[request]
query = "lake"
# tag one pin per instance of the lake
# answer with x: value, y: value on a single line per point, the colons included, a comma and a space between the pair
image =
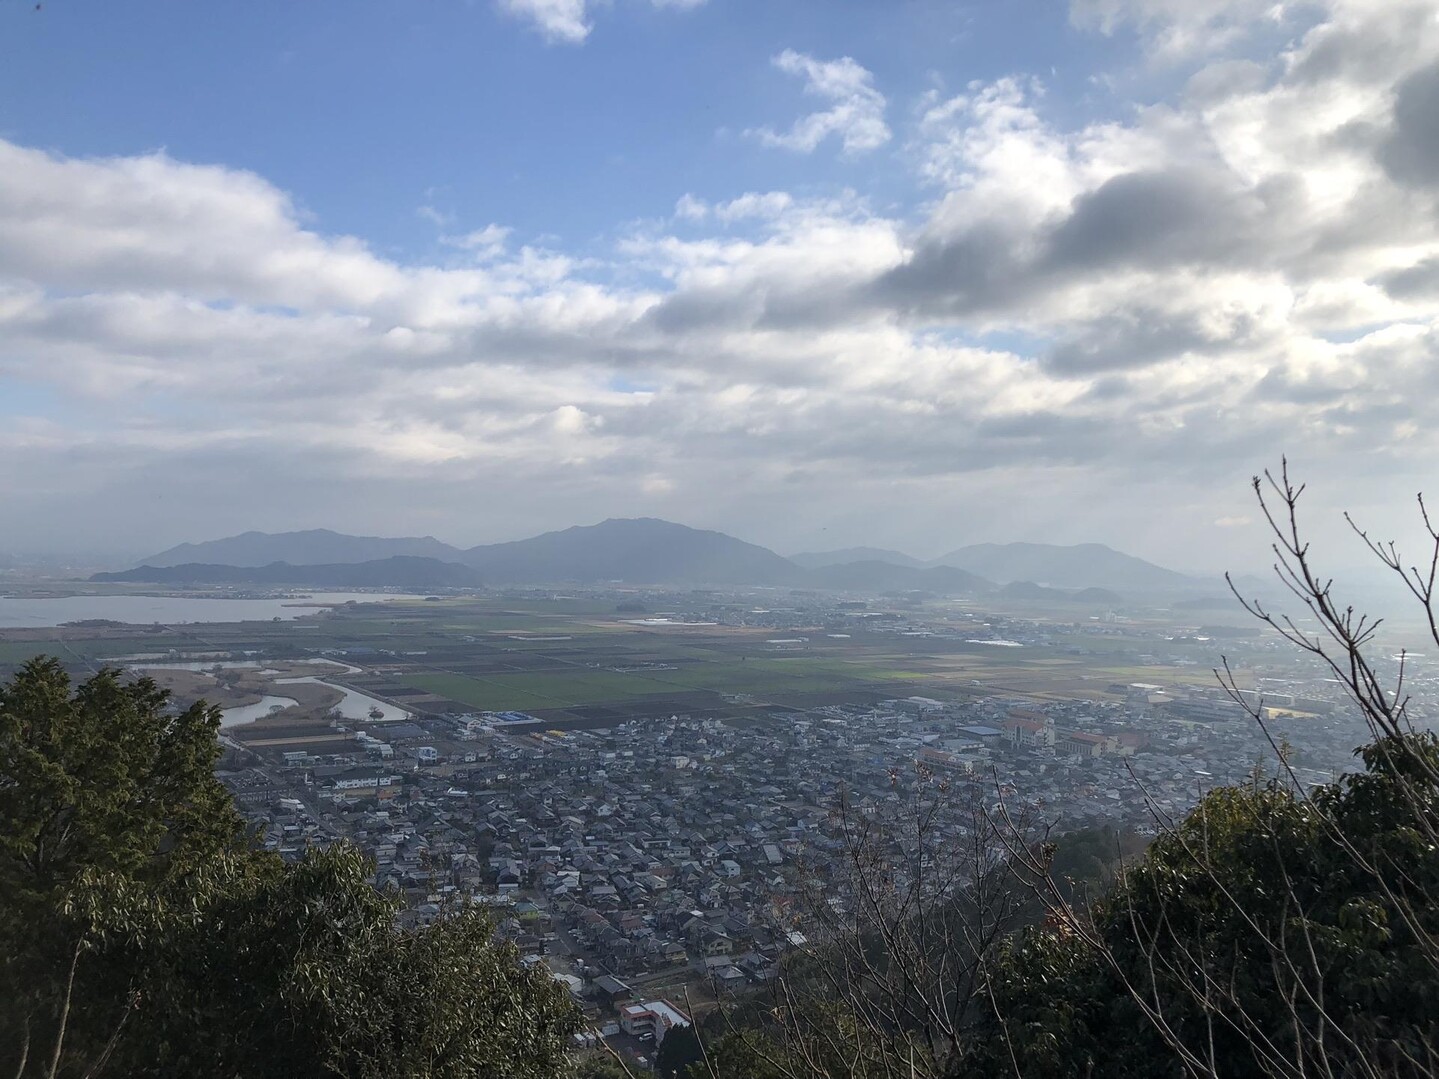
x: 24, y: 612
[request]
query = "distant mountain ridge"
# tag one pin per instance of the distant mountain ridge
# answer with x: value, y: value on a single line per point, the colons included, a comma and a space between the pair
x: 1084, y: 565
x: 821, y: 559
x: 875, y: 576
x: 641, y: 550
x: 317, y: 546
x: 647, y: 550
x: 1028, y: 590
x: 400, y: 571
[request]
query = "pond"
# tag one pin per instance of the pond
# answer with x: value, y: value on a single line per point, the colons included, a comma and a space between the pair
x: 248, y: 713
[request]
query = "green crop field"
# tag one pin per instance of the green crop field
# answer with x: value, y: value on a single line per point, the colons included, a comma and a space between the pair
x: 565, y: 688
x: 20, y: 651
x: 562, y: 690
x: 476, y: 693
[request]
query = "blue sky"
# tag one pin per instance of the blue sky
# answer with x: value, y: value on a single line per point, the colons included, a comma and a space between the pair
x: 817, y: 273
x: 367, y: 111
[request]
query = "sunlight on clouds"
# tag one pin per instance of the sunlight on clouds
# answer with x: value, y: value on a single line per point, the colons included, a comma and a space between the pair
x: 563, y: 21
x: 855, y: 115
x: 1175, y: 29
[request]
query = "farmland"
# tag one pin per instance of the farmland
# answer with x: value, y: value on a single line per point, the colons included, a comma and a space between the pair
x: 580, y: 659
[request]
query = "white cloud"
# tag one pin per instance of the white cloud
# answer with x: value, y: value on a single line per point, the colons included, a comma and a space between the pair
x: 565, y: 21
x: 1176, y: 29
x: 691, y: 208
x: 855, y: 115
x: 569, y: 22
x: 767, y: 205
x: 486, y: 243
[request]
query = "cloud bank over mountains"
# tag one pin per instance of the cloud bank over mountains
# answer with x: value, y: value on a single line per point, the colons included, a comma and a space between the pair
x: 1130, y: 313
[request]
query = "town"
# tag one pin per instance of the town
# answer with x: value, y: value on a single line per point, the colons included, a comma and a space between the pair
x: 645, y: 858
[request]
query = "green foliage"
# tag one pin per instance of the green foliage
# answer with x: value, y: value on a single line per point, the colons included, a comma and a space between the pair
x: 1088, y: 860
x: 141, y: 934
x: 106, y: 779
x: 302, y: 971
x: 678, y: 1051
x: 100, y: 781
x: 746, y: 1053
x: 600, y: 1065
x: 1267, y: 932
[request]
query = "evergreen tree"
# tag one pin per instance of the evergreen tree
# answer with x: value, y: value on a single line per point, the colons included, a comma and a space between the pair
x: 678, y: 1051
x: 142, y: 934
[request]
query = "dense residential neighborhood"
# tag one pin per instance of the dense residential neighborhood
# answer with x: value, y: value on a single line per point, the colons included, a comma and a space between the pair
x: 661, y: 859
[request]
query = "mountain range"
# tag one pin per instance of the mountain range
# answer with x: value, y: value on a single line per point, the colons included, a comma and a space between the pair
x: 821, y: 559
x: 876, y: 576
x: 650, y: 551
x: 1084, y: 565
x: 317, y: 546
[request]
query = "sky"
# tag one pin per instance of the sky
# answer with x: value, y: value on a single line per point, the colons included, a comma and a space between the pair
x: 816, y: 273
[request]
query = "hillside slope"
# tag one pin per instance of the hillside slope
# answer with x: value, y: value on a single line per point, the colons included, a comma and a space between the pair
x: 640, y: 550
x: 1085, y: 565
x: 883, y: 577
x: 821, y: 559
x: 315, y: 547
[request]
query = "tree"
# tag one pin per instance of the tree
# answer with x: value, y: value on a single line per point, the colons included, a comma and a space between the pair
x: 106, y: 778
x: 301, y: 970
x: 142, y: 934
x: 102, y: 782
x: 1276, y: 931
x: 678, y: 1051
x: 601, y: 1065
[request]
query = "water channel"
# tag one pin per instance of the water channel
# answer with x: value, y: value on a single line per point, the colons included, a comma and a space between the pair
x: 354, y: 705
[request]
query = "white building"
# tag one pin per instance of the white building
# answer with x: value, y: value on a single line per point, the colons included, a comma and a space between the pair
x: 655, y: 1017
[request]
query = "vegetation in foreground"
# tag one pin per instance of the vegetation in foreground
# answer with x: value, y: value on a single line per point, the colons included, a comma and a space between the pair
x: 142, y: 934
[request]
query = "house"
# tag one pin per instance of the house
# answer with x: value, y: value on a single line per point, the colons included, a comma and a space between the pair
x: 713, y: 942
x: 655, y: 1018
x: 613, y: 991
x: 729, y: 977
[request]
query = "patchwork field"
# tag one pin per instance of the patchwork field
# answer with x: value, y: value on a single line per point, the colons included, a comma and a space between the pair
x: 579, y: 659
